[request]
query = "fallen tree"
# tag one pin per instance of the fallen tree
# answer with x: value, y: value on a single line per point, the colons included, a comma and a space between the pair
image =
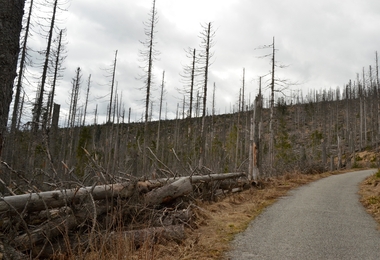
x: 59, y: 198
x: 49, y: 218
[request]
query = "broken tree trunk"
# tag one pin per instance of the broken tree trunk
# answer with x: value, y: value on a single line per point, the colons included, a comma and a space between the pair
x: 169, y: 192
x: 59, y: 198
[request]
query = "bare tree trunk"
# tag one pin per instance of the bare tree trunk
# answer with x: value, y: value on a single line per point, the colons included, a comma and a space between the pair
x: 56, y: 68
x: 271, y: 130
x: 86, y: 102
x: 112, y: 86
x: 192, y: 84
x: 38, y: 106
x: 237, y: 134
x: 207, y: 44
x: 150, y: 56
x: 254, y: 149
x: 11, y: 13
x: 159, y: 114
x: 243, y: 93
x: 21, y: 72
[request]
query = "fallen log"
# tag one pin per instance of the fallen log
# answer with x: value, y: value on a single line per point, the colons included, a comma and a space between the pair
x: 148, y: 185
x: 59, y: 198
x: 169, y: 192
x: 216, y: 177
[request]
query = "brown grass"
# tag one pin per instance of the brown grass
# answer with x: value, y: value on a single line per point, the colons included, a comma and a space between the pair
x: 370, y: 195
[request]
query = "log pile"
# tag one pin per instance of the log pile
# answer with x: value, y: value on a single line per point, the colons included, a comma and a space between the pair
x: 51, y: 222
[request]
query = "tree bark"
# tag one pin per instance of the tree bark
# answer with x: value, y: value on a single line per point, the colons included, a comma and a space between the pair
x: 11, y: 13
x: 169, y: 192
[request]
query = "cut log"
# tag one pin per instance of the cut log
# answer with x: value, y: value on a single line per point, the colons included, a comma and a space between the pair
x: 59, y: 198
x: 150, y: 235
x: 169, y: 192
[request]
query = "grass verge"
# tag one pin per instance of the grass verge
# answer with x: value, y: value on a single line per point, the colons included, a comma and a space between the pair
x: 370, y: 195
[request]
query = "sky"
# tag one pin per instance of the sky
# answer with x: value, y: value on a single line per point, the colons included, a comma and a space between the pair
x: 323, y: 45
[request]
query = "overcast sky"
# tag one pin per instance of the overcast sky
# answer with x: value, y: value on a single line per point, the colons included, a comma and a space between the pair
x: 324, y: 43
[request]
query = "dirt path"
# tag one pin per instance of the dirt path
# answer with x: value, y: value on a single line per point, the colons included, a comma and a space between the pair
x: 322, y: 220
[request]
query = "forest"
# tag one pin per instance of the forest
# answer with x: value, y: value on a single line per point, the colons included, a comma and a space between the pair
x: 129, y: 175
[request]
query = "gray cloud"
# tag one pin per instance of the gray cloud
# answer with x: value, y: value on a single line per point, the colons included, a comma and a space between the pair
x: 325, y: 43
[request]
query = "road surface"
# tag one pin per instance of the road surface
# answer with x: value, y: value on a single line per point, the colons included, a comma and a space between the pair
x: 321, y: 220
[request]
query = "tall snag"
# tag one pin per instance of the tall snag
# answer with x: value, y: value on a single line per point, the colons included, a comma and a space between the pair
x: 254, y: 148
x: 11, y: 13
x: 148, y: 55
x: 39, y: 102
x: 207, y: 37
x: 16, y: 103
x: 112, y: 87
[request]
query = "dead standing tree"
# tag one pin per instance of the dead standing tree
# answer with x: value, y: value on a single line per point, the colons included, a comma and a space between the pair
x: 275, y: 85
x: 207, y: 36
x: 148, y: 55
x: 112, y: 88
x: 37, y: 111
x: 254, y: 148
x: 22, y: 65
x: 11, y: 13
x: 188, y: 78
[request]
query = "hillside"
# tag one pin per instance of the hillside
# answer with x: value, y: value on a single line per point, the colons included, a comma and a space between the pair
x: 316, y: 135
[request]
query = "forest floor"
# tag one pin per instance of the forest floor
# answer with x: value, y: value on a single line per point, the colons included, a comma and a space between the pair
x: 218, y: 222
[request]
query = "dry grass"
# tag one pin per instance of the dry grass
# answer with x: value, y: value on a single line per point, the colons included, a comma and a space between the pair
x: 370, y: 195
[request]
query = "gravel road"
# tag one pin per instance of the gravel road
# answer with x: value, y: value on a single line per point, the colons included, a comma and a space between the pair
x: 322, y: 220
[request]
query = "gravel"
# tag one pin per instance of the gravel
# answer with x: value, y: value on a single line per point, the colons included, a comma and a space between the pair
x: 322, y: 220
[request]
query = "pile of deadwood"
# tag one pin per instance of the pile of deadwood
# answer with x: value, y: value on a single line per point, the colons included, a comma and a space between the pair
x: 43, y: 224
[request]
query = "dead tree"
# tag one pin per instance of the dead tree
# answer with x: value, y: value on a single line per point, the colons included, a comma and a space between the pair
x: 86, y: 102
x: 160, y: 110
x: 188, y: 78
x: 254, y: 148
x: 112, y: 87
x: 207, y: 37
x: 59, y: 58
x: 39, y: 102
x: 22, y: 65
x: 149, y: 55
x: 11, y: 13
